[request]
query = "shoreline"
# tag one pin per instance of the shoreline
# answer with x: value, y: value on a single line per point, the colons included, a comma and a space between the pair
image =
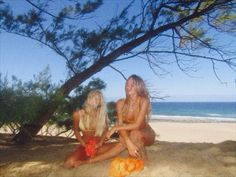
x: 192, y: 119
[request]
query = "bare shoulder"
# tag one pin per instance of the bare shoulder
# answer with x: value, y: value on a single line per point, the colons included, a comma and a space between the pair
x: 78, y: 113
x: 120, y: 102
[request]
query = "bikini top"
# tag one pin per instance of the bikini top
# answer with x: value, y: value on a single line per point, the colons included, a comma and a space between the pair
x: 132, y: 119
x: 125, y: 111
x: 84, y: 123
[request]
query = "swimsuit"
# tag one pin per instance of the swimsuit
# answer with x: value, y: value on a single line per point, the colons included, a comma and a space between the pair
x: 84, y: 123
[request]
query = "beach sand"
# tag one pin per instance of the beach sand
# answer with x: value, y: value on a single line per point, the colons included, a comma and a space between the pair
x: 195, y: 132
x: 183, y: 149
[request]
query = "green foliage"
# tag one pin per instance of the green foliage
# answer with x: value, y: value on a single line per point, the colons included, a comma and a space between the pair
x: 224, y: 22
x: 89, y: 6
x: 111, y: 110
x: 22, y: 102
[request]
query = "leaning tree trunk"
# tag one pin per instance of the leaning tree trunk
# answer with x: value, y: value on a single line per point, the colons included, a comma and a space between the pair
x: 27, y: 131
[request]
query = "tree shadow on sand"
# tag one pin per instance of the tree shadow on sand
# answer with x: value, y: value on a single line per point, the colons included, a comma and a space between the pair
x: 44, y: 157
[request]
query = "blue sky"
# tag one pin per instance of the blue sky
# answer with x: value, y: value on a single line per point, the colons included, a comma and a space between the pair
x: 24, y: 58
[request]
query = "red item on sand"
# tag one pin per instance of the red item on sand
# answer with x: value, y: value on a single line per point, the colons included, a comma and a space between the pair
x: 90, y: 148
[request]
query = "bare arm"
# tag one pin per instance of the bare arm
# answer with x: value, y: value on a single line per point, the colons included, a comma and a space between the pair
x: 119, y: 107
x: 76, y: 117
x: 123, y: 133
x: 103, y: 138
x: 140, y: 119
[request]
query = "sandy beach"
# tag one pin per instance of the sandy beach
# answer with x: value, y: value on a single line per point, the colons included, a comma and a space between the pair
x: 187, y: 149
x: 194, y: 132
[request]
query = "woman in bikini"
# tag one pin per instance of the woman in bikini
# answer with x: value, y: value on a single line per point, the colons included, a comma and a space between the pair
x: 133, y: 128
x: 91, y: 122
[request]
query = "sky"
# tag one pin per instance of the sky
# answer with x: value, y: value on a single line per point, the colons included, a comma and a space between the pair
x: 24, y: 58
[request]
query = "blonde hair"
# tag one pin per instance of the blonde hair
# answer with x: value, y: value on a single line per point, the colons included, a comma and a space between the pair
x: 142, y: 90
x: 102, y: 117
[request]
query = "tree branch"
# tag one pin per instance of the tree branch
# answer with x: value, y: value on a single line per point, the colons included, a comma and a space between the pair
x: 40, y: 9
x: 204, y: 43
x: 118, y: 71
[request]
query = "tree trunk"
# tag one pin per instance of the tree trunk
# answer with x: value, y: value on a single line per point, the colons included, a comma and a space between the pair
x: 27, y: 131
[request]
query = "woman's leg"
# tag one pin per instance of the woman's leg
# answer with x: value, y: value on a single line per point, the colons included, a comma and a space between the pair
x: 136, y: 137
x: 78, y: 155
x: 141, y: 138
x: 110, y: 150
x: 148, y: 135
x: 105, y: 152
x: 106, y: 147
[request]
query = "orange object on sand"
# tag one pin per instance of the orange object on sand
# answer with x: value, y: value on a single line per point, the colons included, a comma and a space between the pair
x: 121, y: 167
x: 90, y: 148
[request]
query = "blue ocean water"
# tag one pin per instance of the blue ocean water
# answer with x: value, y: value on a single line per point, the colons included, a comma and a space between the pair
x: 195, y: 110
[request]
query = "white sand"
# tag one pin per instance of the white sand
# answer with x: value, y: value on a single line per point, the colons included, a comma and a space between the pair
x: 194, y: 132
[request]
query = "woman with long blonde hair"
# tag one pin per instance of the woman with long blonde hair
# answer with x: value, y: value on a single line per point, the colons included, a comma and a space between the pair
x: 91, y: 122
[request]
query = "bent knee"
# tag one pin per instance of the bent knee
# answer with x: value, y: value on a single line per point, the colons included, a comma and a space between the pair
x: 121, y: 146
x: 69, y: 162
x: 135, y: 135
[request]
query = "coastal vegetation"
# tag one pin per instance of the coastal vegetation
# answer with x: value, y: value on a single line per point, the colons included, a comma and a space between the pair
x: 21, y: 102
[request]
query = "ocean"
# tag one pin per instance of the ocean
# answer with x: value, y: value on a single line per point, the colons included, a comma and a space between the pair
x: 200, y: 111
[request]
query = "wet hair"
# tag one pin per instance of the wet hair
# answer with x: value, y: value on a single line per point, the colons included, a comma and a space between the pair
x: 102, y: 119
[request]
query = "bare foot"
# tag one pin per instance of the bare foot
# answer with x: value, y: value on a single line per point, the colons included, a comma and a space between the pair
x: 69, y: 163
x: 78, y: 163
